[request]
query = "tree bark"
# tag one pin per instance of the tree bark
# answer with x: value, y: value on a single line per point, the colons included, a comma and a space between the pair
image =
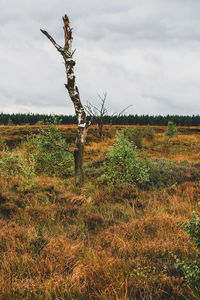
x: 100, y: 128
x: 78, y: 162
x: 73, y: 91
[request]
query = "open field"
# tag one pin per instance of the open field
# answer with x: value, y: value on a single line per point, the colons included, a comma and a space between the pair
x: 58, y: 241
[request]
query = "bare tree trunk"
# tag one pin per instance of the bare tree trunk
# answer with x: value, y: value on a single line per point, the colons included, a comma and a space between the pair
x: 78, y: 162
x: 100, y: 128
x: 73, y: 91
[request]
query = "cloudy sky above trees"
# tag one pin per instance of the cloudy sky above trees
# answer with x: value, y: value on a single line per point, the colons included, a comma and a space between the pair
x: 141, y: 52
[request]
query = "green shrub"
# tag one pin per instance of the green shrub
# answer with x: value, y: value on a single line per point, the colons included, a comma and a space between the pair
x: 19, y: 167
x: 134, y: 135
x: 9, y: 164
x: 27, y: 173
x: 124, y: 165
x: 171, y: 129
x: 149, y: 133
x: 192, y: 269
x: 50, y: 151
x: 51, y: 159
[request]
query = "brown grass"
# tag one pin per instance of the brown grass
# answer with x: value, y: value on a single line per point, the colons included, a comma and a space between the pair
x: 61, y: 242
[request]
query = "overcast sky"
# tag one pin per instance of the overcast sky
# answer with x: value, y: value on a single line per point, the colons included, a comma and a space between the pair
x: 141, y: 52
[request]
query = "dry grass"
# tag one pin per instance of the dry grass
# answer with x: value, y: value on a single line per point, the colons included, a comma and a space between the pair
x: 62, y: 242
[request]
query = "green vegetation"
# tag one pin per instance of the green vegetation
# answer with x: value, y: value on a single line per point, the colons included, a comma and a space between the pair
x: 51, y: 152
x: 149, y: 134
x: 165, y: 173
x: 171, y: 129
x: 191, y: 269
x: 135, y: 136
x: 124, y: 165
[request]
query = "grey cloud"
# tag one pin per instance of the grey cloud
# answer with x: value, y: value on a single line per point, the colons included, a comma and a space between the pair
x: 142, y: 52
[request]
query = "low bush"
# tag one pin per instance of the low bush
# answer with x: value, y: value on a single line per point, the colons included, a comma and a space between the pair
x: 171, y: 129
x: 191, y: 269
x: 164, y: 173
x: 9, y: 164
x: 124, y: 165
x: 50, y: 152
x: 19, y: 167
x: 52, y: 159
x: 149, y: 134
x: 134, y: 135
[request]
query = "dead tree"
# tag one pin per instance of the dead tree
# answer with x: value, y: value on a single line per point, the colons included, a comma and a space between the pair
x: 67, y: 54
x: 97, y: 113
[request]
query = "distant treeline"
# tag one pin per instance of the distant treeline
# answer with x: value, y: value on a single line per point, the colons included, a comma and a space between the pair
x: 19, y: 119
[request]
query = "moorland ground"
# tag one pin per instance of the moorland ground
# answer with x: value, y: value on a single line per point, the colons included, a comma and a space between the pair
x: 58, y: 241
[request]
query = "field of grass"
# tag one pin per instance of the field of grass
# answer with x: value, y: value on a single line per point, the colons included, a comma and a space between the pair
x: 58, y: 241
